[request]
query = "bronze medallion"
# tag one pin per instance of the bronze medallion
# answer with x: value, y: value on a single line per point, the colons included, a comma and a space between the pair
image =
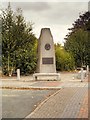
x: 47, y: 46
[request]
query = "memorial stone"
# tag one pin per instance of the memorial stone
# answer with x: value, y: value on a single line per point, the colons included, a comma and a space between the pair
x: 46, y: 64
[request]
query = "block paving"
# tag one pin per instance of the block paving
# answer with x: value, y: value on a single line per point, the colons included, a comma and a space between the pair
x: 84, y: 108
x: 66, y: 104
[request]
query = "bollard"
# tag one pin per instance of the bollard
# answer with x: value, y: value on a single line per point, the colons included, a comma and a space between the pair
x: 18, y: 74
x: 87, y: 70
x: 82, y: 75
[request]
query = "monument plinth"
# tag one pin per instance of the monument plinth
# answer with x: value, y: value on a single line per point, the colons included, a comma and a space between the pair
x: 46, y: 64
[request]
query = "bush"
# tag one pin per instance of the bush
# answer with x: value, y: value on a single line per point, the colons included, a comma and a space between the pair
x: 64, y: 60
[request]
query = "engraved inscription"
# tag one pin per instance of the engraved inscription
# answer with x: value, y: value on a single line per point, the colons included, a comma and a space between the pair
x: 47, y: 60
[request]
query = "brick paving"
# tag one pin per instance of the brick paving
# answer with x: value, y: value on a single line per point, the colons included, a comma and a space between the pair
x: 73, y: 107
x: 48, y: 83
x: 84, y: 108
x: 65, y: 104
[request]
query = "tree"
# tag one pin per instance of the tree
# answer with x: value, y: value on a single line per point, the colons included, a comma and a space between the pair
x: 18, y: 43
x: 7, y: 24
x: 0, y: 42
x: 78, y: 41
x: 64, y: 60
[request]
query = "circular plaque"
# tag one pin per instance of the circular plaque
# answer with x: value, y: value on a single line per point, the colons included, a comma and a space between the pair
x: 47, y: 46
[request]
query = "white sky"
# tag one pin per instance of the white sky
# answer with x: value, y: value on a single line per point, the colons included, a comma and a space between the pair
x: 58, y: 16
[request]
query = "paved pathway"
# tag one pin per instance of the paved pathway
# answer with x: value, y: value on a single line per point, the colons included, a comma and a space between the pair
x: 84, y: 108
x: 27, y: 83
x: 66, y: 103
x: 70, y: 102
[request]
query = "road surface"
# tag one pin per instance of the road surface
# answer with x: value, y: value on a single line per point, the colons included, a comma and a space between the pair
x: 20, y: 103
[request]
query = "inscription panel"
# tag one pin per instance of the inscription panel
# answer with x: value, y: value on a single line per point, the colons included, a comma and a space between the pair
x: 47, y: 60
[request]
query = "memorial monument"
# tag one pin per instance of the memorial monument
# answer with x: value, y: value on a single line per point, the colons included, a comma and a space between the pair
x: 46, y: 64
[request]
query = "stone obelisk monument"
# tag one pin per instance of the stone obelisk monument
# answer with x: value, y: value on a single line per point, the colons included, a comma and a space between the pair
x: 46, y: 64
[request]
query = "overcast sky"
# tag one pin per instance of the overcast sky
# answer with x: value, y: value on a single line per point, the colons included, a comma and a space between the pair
x: 58, y: 16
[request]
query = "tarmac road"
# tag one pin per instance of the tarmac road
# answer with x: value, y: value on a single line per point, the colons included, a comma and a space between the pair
x: 20, y: 103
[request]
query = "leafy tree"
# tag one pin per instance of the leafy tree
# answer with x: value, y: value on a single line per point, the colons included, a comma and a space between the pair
x: 64, y: 60
x: 7, y: 24
x: 0, y: 42
x: 18, y: 43
x: 78, y: 40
